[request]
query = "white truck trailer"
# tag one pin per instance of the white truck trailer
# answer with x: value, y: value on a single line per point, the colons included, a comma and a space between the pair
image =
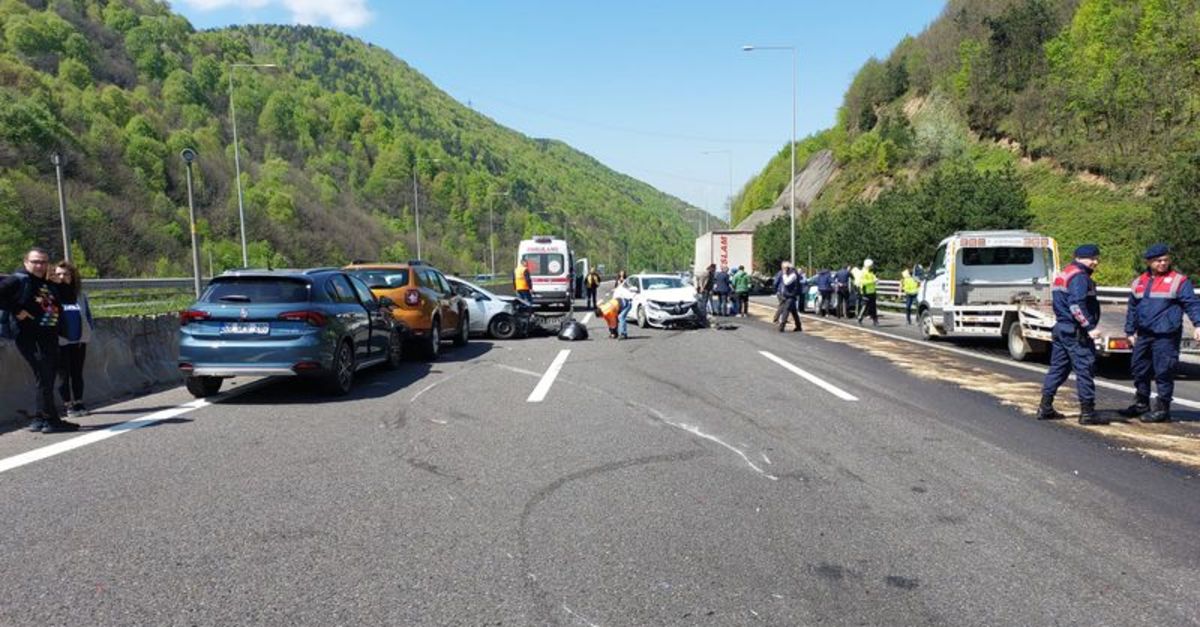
x: 724, y: 248
x: 998, y: 284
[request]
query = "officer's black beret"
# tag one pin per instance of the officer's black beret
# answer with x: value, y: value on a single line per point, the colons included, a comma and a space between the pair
x: 1157, y: 250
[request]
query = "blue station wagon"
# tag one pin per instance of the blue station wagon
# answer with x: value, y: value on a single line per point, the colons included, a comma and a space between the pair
x: 320, y: 323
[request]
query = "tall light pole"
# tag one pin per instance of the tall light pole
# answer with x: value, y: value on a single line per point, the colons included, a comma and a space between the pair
x: 729, y: 154
x: 416, y: 201
x: 189, y: 156
x: 792, y: 181
x: 492, y: 230
x: 237, y: 163
x: 57, y: 160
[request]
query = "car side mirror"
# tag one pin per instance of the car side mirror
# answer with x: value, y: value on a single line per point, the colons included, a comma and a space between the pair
x: 480, y: 297
x: 384, y: 301
x: 939, y: 272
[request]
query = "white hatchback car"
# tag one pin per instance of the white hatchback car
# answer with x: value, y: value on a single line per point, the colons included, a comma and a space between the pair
x: 491, y: 314
x: 663, y: 300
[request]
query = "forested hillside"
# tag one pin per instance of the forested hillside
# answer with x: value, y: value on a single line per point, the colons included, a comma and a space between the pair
x: 330, y: 141
x: 1085, y: 112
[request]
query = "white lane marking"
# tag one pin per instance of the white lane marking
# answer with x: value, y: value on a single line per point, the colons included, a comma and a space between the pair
x: 996, y: 360
x: 543, y: 387
x: 92, y: 437
x: 587, y: 318
x: 811, y: 378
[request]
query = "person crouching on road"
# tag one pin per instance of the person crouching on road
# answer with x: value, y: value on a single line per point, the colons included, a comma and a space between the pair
x: 624, y: 295
x: 787, y: 288
x: 1154, y: 324
x: 867, y: 284
x: 522, y: 281
x: 75, y: 331
x: 33, y: 303
x: 610, y: 311
x: 909, y: 287
x: 1076, y: 313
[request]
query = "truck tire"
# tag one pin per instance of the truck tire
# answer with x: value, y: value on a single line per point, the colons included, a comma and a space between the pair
x: 928, y: 331
x: 1018, y: 347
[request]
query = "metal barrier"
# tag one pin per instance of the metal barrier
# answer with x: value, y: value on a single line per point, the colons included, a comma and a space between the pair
x: 1108, y: 295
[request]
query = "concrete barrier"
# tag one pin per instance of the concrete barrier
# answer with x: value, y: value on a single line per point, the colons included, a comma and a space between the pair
x: 127, y: 356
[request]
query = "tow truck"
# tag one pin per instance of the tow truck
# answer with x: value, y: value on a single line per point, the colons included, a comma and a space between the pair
x: 998, y: 284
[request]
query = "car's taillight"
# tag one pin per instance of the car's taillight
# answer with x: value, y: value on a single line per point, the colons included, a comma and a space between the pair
x: 1118, y: 344
x: 315, y: 318
x: 188, y: 316
x: 412, y: 298
x: 186, y: 367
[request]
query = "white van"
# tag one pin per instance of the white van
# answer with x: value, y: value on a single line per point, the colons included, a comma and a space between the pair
x: 551, y: 269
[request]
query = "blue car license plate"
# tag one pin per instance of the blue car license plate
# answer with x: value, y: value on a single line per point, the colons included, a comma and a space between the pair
x: 245, y: 328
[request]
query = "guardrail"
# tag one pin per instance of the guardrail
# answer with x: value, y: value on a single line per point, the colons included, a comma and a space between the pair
x: 1109, y: 295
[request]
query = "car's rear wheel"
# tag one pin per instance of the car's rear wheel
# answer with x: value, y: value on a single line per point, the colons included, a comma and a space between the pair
x: 502, y: 327
x: 395, y: 351
x: 433, y: 341
x: 341, y: 379
x: 464, y: 330
x: 203, y: 387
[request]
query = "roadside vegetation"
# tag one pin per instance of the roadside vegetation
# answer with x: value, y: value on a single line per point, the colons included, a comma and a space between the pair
x: 1091, y: 107
x: 331, y: 141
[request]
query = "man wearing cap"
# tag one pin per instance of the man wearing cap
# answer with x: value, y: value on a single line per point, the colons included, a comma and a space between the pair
x: 1076, y: 313
x: 1154, y: 323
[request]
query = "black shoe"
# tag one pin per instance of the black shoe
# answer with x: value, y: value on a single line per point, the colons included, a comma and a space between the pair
x: 59, y: 426
x: 1088, y: 415
x: 1140, y: 406
x: 1161, y: 413
x: 37, y: 424
x: 1046, y: 410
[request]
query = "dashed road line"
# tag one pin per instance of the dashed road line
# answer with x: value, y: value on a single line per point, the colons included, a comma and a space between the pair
x: 811, y: 378
x: 543, y: 387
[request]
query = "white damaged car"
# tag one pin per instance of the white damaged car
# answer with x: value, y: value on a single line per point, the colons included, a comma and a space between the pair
x: 663, y: 300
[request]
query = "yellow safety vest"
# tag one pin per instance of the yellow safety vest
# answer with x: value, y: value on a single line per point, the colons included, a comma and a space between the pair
x: 910, y: 285
x: 520, y: 283
x: 866, y: 282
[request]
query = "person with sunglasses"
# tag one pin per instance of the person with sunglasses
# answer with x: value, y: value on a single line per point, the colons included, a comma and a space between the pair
x: 32, y: 304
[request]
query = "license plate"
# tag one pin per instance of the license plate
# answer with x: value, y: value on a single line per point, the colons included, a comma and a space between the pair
x: 245, y: 328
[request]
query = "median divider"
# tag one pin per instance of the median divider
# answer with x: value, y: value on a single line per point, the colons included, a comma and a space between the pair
x: 127, y: 356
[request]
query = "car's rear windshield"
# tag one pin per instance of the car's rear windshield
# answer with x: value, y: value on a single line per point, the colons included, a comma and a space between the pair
x: 1002, y: 256
x: 376, y: 279
x: 256, y: 290
x: 544, y: 264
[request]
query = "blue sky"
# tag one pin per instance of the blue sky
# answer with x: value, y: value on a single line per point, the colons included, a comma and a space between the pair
x: 645, y: 87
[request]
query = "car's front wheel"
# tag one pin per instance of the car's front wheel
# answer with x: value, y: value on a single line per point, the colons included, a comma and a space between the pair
x: 341, y: 378
x: 641, y: 317
x: 203, y: 387
x: 502, y: 327
x: 433, y: 341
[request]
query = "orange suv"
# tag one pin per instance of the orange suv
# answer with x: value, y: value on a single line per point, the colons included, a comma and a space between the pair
x: 425, y: 303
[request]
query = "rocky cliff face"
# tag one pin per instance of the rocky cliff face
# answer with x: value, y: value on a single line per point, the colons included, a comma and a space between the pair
x: 808, y: 183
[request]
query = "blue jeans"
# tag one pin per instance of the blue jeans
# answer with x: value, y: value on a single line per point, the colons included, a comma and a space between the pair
x: 909, y: 299
x: 623, y: 317
x: 722, y: 303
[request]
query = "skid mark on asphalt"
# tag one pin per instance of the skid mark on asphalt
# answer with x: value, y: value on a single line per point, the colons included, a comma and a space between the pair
x: 1177, y: 443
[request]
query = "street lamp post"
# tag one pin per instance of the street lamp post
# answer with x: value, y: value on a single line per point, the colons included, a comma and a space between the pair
x: 416, y: 200
x: 57, y: 160
x: 237, y: 164
x: 189, y: 156
x: 792, y: 182
x: 492, y: 231
x: 729, y: 154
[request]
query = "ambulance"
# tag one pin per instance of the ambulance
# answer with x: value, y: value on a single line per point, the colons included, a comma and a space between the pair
x: 551, y: 269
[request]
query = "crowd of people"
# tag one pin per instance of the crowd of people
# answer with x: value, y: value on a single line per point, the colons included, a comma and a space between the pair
x: 45, y: 312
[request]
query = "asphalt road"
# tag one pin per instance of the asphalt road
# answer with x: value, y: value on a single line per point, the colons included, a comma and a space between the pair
x: 677, y: 478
